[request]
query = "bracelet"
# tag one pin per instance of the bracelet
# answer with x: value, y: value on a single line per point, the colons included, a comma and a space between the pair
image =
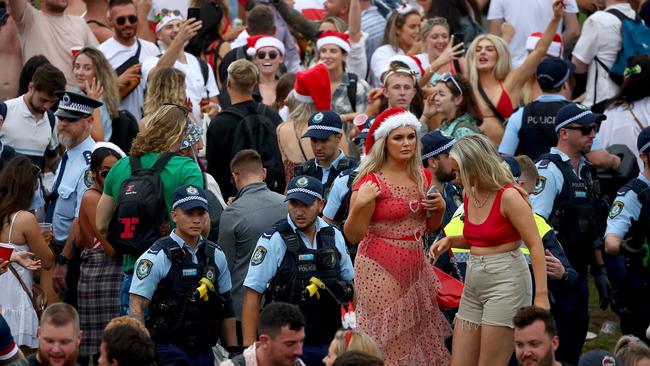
x: 61, y: 259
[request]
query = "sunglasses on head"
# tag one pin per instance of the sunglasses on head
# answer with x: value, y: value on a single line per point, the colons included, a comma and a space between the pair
x: 165, y: 12
x: 445, y: 78
x: 272, y: 54
x: 122, y: 20
x: 584, y: 130
x: 36, y: 170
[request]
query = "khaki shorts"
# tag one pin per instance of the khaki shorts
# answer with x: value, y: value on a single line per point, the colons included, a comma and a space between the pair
x: 496, y: 286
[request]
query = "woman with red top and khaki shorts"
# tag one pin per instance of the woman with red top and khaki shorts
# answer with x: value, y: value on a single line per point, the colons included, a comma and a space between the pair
x: 498, y: 217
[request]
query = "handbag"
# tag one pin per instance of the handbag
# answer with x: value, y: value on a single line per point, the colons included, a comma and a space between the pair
x: 36, y: 296
x: 451, y: 289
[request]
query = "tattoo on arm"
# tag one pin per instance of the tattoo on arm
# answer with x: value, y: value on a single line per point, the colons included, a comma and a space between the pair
x: 137, y: 306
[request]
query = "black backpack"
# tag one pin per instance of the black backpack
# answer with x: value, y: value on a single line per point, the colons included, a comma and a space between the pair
x: 125, y: 128
x: 257, y: 131
x: 140, y: 214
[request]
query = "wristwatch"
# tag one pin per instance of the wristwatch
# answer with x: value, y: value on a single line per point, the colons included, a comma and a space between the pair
x: 61, y: 259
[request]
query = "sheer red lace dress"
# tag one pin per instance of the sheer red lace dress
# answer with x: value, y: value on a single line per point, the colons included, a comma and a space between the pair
x: 395, y: 284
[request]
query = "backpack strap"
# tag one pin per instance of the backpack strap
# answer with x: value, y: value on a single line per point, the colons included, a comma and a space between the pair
x: 352, y: 90
x: 291, y: 239
x: 162, y: 161
x: 51, y: 118
x: 238, y: 360
x: 619, y: 14
x: 135, y: 163
x: 171, y: 249
x: 489, y: 103
x: 3, y: 110
x: 205, y: 71
x: 638, y: 186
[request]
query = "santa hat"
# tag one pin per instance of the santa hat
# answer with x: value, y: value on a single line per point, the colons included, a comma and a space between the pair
x: 555, y: 49
x: 335, y: 38
x: 263, y: 40
x: 166, y: 19
x: 313, y: 86
x: 412, y: 62
x: 387, y: 121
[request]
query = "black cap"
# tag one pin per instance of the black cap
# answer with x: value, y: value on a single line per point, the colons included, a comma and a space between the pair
x: 552, y: 72
x: 74, y: 106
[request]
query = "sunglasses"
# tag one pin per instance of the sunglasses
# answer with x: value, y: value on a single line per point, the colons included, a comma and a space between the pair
x: 122, y: 20
x: 445, y: 78
x: 104, y: 173
x: 165, y: 12
x: 584, y: 130
x: 262, y: 55
x: 36, y: 170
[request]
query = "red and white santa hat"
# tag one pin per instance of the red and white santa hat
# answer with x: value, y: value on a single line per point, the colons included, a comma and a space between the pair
x: 387, y: 121
x: 555, y: 49
x: 313, y: 86
x: 412, y: 62
x: 335, y: 38
x: 263, y: 40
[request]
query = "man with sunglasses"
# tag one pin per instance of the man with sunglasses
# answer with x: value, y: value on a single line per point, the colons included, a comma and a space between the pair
x: 51, y: 33
x: 568, y: 198
x: 627, y: 235
x: 126, y: 52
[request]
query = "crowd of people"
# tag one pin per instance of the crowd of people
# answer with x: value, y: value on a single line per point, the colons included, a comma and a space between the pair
x: 308, y: 182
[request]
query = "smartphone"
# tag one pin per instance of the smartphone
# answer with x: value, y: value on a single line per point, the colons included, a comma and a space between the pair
x: 431, y: 191
x: 194, y: 13
x: 458, y: 38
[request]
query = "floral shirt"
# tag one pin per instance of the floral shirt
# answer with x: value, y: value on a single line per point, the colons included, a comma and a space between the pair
x: 459, y: 127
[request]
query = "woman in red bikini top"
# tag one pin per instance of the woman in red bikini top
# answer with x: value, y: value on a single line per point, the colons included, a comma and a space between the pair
x: 498, y: 217
x: 488, y: 66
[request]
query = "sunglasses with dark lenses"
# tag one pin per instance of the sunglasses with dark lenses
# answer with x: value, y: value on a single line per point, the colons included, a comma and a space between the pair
x: 175, y: 12
x: 104, y: 172
x: 584, y: 130
x: 122, y: 20
x: 262, y: 55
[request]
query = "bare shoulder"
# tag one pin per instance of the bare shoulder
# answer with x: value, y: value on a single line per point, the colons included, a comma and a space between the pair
x: 512, y: 195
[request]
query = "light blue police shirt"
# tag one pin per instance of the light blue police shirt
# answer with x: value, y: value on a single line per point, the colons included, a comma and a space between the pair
x: 625, y: 209
x: 270, y: 250
x: 337, y: 194
x: 326, y: 171
x: 153, y: 266
x: 72, y: 188
x: 550, y: 183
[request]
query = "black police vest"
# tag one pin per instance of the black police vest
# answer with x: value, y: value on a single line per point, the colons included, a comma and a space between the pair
x: 309, y: 168
x: 176, y: 314
x: 639, y: 232
x: 344, y: 209
x: 322, y: 316
x: 537, y: 134
x: 578, y: 213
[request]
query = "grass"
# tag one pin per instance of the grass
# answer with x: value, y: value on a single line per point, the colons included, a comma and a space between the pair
x: 597, y: 318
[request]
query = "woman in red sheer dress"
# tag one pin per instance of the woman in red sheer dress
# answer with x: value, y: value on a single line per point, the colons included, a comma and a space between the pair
x: 395, y: 285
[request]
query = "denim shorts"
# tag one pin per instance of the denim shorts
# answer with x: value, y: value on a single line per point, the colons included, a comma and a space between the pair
x: 496, y: 286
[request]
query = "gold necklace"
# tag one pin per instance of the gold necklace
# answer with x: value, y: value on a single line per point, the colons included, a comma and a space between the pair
x: 479, y: 204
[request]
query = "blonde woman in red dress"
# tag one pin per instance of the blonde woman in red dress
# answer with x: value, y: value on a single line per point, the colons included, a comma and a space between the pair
x: 395, y: 284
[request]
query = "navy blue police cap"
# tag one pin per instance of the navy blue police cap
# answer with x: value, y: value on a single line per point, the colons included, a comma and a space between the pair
x: 643, y: 141
x: 188, y: 197
x: 435, y: 143
x: 74, y: 106
x: 552, y: 72
x: 578, y: 114
x: 322, y: 125
x: 305, y: 189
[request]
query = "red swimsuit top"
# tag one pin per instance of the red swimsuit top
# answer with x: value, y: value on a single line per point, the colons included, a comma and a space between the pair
x: 495, y: 230
x: 504, y: 105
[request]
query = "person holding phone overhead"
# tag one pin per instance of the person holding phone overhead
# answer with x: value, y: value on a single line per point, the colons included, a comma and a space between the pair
x: 395, y: 285
x: 498, y: 216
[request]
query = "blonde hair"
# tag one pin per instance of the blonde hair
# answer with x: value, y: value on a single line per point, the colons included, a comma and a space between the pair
x: 502, y: 67
x: 629, y: 350
x: 527, y: 167
x: 299, y: 113
x: 427, y: 26
x: 243, y: 75
x: 163, y: 132
x: 477, y: 158
x: 359, y: 341
x: 394, y: 22
x: 377, y: 156
x: 107, y: 77
x: 128, y: 321
x: 166, y: 86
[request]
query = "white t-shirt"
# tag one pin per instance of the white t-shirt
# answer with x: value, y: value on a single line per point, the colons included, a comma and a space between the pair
x: 527, y: 16
x: 380, y: 62
x: 117, y: 54
x: 158, y: 5
x: 193, y: 79
x: 621, y: 128
x: 24, y: 133
x: 601, y: 37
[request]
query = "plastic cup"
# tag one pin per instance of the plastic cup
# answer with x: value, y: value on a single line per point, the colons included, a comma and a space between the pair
x: 45, y: 226
x: 360, y: 120
x: 75, y: 51
x: 5, y: 251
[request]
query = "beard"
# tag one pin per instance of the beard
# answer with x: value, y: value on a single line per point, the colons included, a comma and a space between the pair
x: 546, y: 360
x: 31, y: 104
x: 65, y: 139
x: 444, y: 177
x: 55, y: 7
x: 70, y: 359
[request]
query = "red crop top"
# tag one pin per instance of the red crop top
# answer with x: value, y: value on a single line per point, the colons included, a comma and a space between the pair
x: 495, y: 230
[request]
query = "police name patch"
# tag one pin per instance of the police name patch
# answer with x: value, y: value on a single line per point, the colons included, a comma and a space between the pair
x: 617, y: 208
x: 144, y: 268
x: 258, y: 256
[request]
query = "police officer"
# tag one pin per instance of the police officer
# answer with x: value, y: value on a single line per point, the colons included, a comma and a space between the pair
x: 324, y: 131
x: 301, y: 260
x: 73, y: 129
x: 184, y: 283
x: 569, y: 199
x: 627, y: 234
x: 531, y: 130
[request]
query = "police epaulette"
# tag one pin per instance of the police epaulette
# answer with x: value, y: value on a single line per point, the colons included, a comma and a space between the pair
x: 636, y: 185
x: 543, y: 164
x: 154, y: 249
